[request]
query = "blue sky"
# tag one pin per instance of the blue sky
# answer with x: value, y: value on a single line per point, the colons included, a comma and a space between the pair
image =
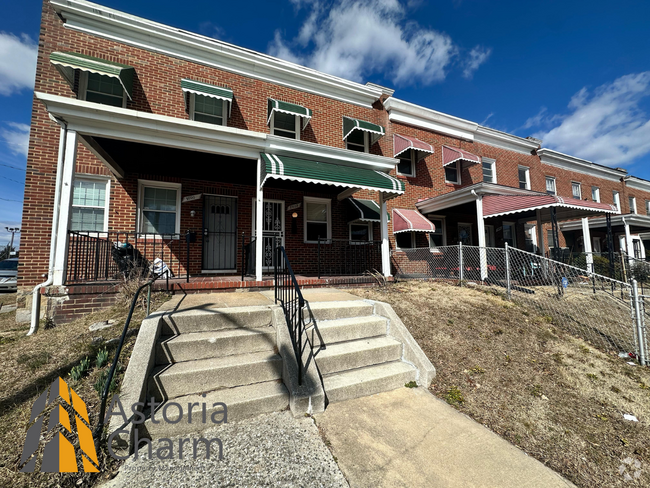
x: 573, y: 73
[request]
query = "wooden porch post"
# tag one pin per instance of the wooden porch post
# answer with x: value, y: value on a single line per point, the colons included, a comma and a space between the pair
x: 69, y: 164
x: 259, y: 216
x: 385, y: 247
x: 540, y: 234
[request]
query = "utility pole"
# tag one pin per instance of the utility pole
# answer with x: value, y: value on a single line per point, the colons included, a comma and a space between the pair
x: 13, y: 230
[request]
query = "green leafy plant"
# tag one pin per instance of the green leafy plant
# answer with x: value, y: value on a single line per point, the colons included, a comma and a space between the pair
x: 80, y: 370
x: 101, y: 382
x: 102, y: 358
x: 411, y: 384
x: 454, y: 396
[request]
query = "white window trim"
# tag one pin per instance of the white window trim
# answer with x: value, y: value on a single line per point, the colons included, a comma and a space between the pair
x: 441, y: 218
x: 546, y: 180
x: 224, y: 109
x: 597, y: 191
x: 365, y: 224
x: 458, y: 168
x: 647, y: 207
x: 366, y: 145
x: 83, y: 87
x: 411, y: 152
x: 493, y: 163
x: 527, y: 170
x: 158, y: 184
x: 297, y: 125
x: 514, y: 232
x: 632, y: 203
x: 326, y: 201
x: 616, y: 197
x: 107, y: 199
x: 412, y: 234
x: 579, y: 197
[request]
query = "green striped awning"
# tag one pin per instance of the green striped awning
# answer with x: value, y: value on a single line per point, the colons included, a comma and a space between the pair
x: 212, y: 91
x: 294, y: 169
x: 350, y: 125
x: 289, y: 108
x: 67, y: 63
x: 366, y: 210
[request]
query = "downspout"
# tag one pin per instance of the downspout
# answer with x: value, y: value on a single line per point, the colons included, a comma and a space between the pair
x: 36, y: 301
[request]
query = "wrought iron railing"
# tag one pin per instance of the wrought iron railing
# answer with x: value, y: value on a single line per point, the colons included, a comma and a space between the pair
x: 288, y: 293
x: 345, y: 257
x: 248, y: 244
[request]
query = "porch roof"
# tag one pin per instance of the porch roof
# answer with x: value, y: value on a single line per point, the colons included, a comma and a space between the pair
x: 303, y: 170
x: 407, y: 220
x: 637, y: 223
x: 501, y: 205
x: 367, y: 210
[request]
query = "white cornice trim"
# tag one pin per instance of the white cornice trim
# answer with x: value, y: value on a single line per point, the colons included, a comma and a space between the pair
x: 638, y: 184
x: 630, y: 219
x: 93, y: 119
x: 112, y: 24
x: 503, y: 140
x: 571, y: 163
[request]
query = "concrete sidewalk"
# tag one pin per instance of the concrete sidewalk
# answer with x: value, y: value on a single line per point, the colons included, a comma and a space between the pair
x: 409, y: 438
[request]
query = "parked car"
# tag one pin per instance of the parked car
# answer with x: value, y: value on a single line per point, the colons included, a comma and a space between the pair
x: 9, y: 274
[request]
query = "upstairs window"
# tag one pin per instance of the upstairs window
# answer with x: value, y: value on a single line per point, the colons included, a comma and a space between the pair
x: 359, y: 135
x: 285, y: 125
x: 206, y: 109
x: 576, y: 190
x: 550, y: 185
x: 452, y: 173
x: 595, y: 194
x: 357, y: 141
x: 406, y: 164
x: 617, y: 200
x: 101, y: 89
x: 524, y: 178
x: 632, y: 201
x: 647, y: 207
x: 489, y: 170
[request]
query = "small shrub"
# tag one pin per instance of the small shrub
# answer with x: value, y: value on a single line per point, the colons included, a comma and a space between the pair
x: 411, y: 384
x: 454, y: 396
x: 80, y: 370
x: 477, y: 370
x: 102, y: 358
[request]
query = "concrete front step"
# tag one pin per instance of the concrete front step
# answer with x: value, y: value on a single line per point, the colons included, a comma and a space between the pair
x: 357, y: 354
x: 241, y: 402
x: 338, y: 310
x: 212, y: 344
x: 349, y: 329
x: 215, y: 319
x: 202, y: 375
x: 366, y: 381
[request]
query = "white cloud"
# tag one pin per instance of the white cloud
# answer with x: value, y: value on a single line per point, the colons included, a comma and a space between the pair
x: 355, y: 39
x: 477, y: 56
x: 489, y: 116
x: 607, y: 126
x: 16, y: 137
x: 17, y: 63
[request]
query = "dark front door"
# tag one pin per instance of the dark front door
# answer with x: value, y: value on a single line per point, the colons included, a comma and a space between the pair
x: 219, y: 233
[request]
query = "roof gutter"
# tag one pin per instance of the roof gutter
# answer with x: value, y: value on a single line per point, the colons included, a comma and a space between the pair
x: 36, y: 298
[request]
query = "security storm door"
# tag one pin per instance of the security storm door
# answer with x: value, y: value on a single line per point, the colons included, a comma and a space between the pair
x: 272, y: 230
x: 219, y: 233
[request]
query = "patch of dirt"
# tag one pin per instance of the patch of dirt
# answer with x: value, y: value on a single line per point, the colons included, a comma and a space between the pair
x: 28, y: 365
x: 552, y: 394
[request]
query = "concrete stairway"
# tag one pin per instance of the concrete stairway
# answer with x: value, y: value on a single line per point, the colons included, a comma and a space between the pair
x: 226, y: 355
x: 359, y: 357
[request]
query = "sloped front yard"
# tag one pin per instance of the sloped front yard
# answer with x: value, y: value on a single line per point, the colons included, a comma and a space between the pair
x: 551, y: 394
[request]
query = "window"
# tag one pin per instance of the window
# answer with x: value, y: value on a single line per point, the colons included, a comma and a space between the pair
x: 617, y: 200
x: 208, y: 109
x: 549, y: 238
x: 405, y: 240
x: 647, y: 207
x: 550, y: 185
x: 465, y: 233
x: 524, y: 178
x: 595, y: 194
x: 357, y: 141
x: 576, y: 190
x: 510, y: 234
x: 101, y: 89
x: 318, y: 219
x: 438, y: 237
x: 489, y: 170
x: 632, y: 202
x: 159, y: 207
x: 452, y: 173
x: 406, y: 164
x: 530, y: 234
x: 361, y: 232
x: 89, y: 202
x: 285, y: 125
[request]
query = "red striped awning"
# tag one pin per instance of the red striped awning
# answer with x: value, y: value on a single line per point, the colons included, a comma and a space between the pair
x: 405, y: 220
x: 404, y: 143
x: 497, y: 205
x: 452, y: 154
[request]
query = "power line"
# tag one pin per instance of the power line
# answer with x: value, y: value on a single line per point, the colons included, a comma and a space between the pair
x: 7, y: 200
x: 15, y: 181
x: 13, y: 167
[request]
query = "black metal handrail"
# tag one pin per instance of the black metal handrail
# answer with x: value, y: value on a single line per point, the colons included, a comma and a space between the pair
x: 248, y: 243
x: 288, y: 293
x: 111, y: 372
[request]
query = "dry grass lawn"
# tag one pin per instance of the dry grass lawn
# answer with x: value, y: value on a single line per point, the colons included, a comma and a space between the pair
x: 28, y: 365
x: 551, y: 394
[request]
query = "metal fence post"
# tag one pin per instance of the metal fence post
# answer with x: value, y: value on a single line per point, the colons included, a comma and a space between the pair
x: 639, y: 322
x: 149, y: 300
x: 508, y: 287
x: 460, y: 264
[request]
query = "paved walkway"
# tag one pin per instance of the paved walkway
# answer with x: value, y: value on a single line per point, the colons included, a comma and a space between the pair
x: 409, y: 438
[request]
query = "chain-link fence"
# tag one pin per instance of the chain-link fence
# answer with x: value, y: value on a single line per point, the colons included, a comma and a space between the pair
x: 608, y: 313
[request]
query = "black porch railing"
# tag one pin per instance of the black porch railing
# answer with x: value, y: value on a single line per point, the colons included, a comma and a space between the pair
x: 344, y: 257
x: 247, y: 255
x: 108, y: 256
x: 288, y: 293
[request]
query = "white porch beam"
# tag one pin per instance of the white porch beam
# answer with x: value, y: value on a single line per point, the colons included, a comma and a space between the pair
x: 259, y: 216
x: 385, y: 247
x: 103, y: 156
x: 346, y: 193
x: 69, y: 165
x: 586, y: 237
x: 540, y: 233
x: 480, y: 227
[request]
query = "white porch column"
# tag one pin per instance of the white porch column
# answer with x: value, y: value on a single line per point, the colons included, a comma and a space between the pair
x: 586, y: 237
x: 259, y: 216
x: 480, y: 227
x: 385, y: 247
x: 540, y: 234
x: 629, y: 246
x: 69, y: 165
